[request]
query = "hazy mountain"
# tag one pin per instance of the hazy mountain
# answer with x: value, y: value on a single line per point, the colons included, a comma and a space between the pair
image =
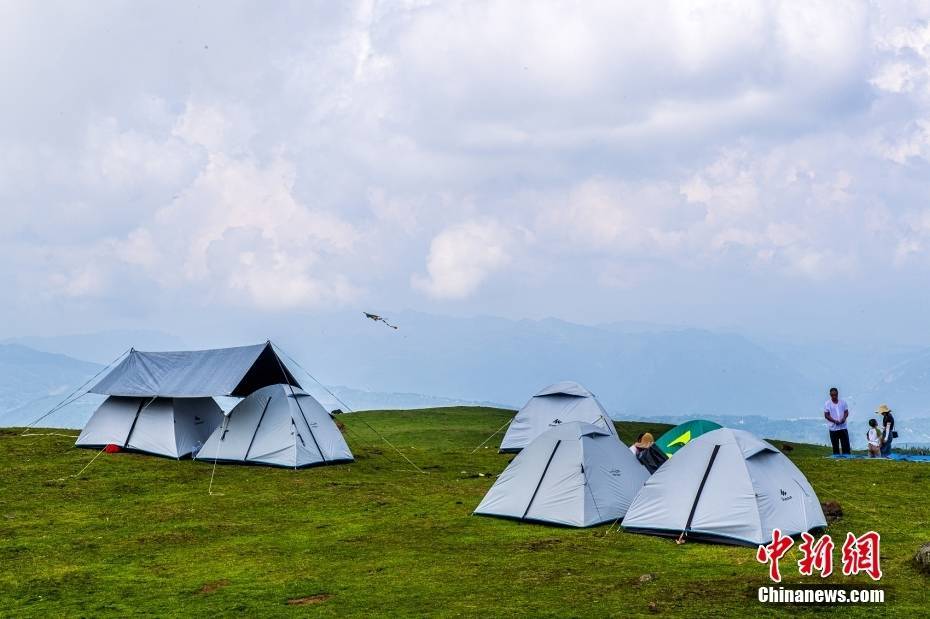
x: 360, y: 400
x: 905, y: 387
x: 31, y: 382
x: 75, y: 415
x: 101, y: 347
x: 634, y: 371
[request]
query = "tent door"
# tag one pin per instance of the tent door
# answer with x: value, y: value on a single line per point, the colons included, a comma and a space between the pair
x: 697, y: 496
x: 135, y: 419
x: 257, y: 425
x: 315, y: 443
x: 541, y: 477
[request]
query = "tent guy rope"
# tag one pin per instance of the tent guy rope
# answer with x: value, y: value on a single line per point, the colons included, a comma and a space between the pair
x: 496, y: 432
x: 67, y: 401
x: 347, y: 407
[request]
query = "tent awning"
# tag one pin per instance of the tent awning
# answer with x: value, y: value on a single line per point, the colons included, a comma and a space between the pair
x: 196, y: 373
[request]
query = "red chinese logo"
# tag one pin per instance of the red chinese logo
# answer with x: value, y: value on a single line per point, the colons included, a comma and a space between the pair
x: 861, y: 554
x: 816, y: 555
x: 771, y: 553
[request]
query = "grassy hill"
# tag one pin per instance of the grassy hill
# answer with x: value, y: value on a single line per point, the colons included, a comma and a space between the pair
x: 139, y: 534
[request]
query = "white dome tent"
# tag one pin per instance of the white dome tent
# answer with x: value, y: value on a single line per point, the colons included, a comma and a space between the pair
x: 171, y: 427
x: 556, y: 404
x: 726, y: 486
x: 575, y: 474
x: 277, y: 426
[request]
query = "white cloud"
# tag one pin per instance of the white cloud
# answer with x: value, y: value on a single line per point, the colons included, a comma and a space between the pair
x: 462, y: 257
x: 313, y: 157
x: 603, y: 217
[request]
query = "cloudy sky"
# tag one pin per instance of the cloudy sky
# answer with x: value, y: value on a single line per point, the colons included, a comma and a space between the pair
x: 758, y: 166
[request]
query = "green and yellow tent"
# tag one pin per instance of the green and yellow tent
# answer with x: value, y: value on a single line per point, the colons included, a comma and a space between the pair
x: 679, y: 436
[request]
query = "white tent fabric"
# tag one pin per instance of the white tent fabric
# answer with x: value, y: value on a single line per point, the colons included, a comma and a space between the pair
x: 278, y: 427
x: 726, y: 486
x: 196, y: 373
x: 172, y: 427
x: 554, y: 405
x: 575, y: 474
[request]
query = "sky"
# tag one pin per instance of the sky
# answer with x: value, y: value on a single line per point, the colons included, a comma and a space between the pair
x: 761, y: 166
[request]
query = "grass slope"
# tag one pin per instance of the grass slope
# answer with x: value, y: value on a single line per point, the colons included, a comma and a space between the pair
x: 135, y: 534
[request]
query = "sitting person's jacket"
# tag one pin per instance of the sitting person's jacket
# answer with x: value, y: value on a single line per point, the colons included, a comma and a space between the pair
x: 652, y: 458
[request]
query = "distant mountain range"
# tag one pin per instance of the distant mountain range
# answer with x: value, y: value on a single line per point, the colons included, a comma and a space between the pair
x: 31, y: 382
x: 638, y: 370
x: 100, y: 347
x: 635, y: 372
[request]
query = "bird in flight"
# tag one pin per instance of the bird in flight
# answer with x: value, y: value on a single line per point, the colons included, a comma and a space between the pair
x: 377, y: 318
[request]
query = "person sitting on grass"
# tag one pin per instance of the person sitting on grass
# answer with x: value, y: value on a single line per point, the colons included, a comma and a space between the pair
x: 874, y: 437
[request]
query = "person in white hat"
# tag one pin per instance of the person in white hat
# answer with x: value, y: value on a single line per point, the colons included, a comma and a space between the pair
x: 888, y: 433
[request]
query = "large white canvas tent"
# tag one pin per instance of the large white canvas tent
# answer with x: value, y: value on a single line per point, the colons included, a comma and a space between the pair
x: 575, y: 474
x: 172, y: 427
x: 726, y: 486
x: 160, y: 402
x: 554, y: 405
x: 279, y: 426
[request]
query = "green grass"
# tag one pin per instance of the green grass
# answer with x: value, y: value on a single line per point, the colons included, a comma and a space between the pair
x: 135, y: 534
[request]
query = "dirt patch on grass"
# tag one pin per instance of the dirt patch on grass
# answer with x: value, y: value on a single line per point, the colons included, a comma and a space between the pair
x: 213, y: 587
x: 318, y: 598
x: 542, y: 544
x: 832, y: 511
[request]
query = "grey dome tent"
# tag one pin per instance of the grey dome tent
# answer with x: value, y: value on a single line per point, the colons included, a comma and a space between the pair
x: 171, y: 427
x: 279, y: 426
x: 576, y: 474
x: 554, y: 405
x: 726, y: 486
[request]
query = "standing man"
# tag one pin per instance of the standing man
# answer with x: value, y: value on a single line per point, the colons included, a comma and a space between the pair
x: 836, y: 413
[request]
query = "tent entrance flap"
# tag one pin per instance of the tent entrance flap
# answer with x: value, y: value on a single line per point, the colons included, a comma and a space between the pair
x: 309, y: 427
x: 266, y: 370
x: 133, y: 426
x: 697, y: 496
x: 257, y: 426
x: 541, y: 478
